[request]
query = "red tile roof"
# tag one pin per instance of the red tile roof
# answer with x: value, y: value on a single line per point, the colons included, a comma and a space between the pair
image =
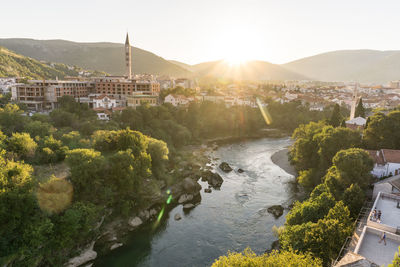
x: 384, y: 156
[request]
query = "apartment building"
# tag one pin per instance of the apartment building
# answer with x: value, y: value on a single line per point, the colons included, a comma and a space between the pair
x: 44, y: 94
x: 120, y: 88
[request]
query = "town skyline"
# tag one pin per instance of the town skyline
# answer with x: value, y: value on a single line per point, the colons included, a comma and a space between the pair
x: 201, y: 32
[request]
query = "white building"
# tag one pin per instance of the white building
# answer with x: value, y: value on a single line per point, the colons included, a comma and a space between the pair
x: 389, y: 185
x: 177, y: 100
x: 104, y: 101
x: 356, y: 123
x: 386, y: 162
x: 6, y: 85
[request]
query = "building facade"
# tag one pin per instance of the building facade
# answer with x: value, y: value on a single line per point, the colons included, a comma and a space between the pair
x: 44, y: 94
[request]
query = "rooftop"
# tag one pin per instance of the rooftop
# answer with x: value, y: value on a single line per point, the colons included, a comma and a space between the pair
x: 387, y: 204
x: 370, y: 248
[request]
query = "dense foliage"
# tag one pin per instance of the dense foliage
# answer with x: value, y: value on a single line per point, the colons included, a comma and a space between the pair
x: 273, y: 259
x: 115, y: 164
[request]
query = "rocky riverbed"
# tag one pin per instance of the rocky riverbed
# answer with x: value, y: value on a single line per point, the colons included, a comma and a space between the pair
x: 232, y: 216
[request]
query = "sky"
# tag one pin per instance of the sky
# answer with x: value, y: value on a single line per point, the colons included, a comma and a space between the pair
x: 194, y: 31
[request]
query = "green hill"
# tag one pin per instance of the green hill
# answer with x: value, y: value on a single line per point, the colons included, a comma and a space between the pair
x: 108, y: 57
x: 15, y: 65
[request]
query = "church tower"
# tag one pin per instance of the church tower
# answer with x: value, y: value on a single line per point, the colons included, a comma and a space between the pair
x: 128, y: 58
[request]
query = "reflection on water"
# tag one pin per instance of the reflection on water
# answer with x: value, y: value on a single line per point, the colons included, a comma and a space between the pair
x: 232, y: 218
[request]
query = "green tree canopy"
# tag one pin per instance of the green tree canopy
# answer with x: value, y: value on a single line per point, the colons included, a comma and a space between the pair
x: 288, y: 258
x: 360, y: 111
x: 336, y: 117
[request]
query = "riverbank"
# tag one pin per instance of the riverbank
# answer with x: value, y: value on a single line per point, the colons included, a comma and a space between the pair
x: 232, y: 218
x: 281, y: 158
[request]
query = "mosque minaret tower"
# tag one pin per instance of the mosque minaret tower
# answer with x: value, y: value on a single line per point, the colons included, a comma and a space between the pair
x: 128, y: 58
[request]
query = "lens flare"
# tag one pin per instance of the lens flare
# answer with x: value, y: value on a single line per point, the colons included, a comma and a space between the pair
x: 161, y: 214
x: 264, y: 112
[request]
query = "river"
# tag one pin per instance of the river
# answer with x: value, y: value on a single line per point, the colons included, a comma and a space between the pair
x: 232, y: 218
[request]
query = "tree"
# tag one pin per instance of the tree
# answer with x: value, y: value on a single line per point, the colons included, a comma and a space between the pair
x: 360, y: 111
x: 11, y: 120
x: 354, y: 166
x: 353, y: 198
x: 158, y: 151
x: 378, y: 134
x: 38, y: 128
x: 87, y: 173
x: 336, y: 117
x: 326, y: 237
x: 396, y: 260
x: 75, y: 225
x: 275, y: 258
x: 310, y: 210
x: 323, y: 238
x: 303, y: 153
x: 22, y: 145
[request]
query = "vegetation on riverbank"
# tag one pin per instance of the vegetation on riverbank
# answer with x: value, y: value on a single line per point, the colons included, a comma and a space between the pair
x: 114, y: 167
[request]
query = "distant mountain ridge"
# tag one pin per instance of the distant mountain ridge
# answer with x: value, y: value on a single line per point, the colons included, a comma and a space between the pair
x: 350, y: 65
x: 342, y: 65
x: 108, y: 57
x: 251, y: 70
x: 15, y: 65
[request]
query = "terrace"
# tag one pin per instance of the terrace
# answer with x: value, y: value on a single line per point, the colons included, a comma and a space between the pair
x: 379, y: 253
x: 389, y: 205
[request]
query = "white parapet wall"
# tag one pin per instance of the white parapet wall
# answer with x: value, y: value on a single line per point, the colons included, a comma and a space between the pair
x: 391, y: 211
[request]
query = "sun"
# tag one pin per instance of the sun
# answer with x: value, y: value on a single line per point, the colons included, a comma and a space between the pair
x: 235, y: 60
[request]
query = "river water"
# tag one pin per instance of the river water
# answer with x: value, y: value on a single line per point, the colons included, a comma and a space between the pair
x: 232, y: 218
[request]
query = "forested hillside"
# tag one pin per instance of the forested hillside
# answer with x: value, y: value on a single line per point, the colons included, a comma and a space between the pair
x: 15, y: 65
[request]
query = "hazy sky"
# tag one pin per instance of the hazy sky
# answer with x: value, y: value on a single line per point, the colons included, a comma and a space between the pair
x: 193, y: 31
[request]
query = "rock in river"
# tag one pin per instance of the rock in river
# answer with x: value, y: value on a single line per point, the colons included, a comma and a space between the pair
x: 185, y: 198
x: 116, y: 245
x: 188, y: 206
x: 213, y: 179
x: 177, y: 217
x: 191, y: 186
x: 225, y: 167
x: 87, y: 255
x: 240, y: 170
x: 207, y: 190
x: 135, y: 222
x: 276, y: 210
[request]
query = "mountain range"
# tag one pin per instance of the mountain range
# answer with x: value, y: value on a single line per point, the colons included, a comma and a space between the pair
x: 107, y: 57
x: 15, y: 65
x: 343, y: 65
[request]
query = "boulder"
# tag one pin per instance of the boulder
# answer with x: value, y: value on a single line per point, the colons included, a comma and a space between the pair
x: 240, y: 170
x: 185, y: 198
x: 87, y: 255
x: 144, y: 215
x: 188, y: 206
x: 177, y: 217
x: 207, y: 190
x: 153, y: 212
x: 116, y: 245
x: 225, y: 167
x: 190, y: 186
x: 135, y: 222
x: 213, y: 179
x: 276, y: 210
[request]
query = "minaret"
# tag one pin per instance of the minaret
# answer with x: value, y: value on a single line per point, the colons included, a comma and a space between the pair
x: 354, y: 101
x: 128, y: 58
